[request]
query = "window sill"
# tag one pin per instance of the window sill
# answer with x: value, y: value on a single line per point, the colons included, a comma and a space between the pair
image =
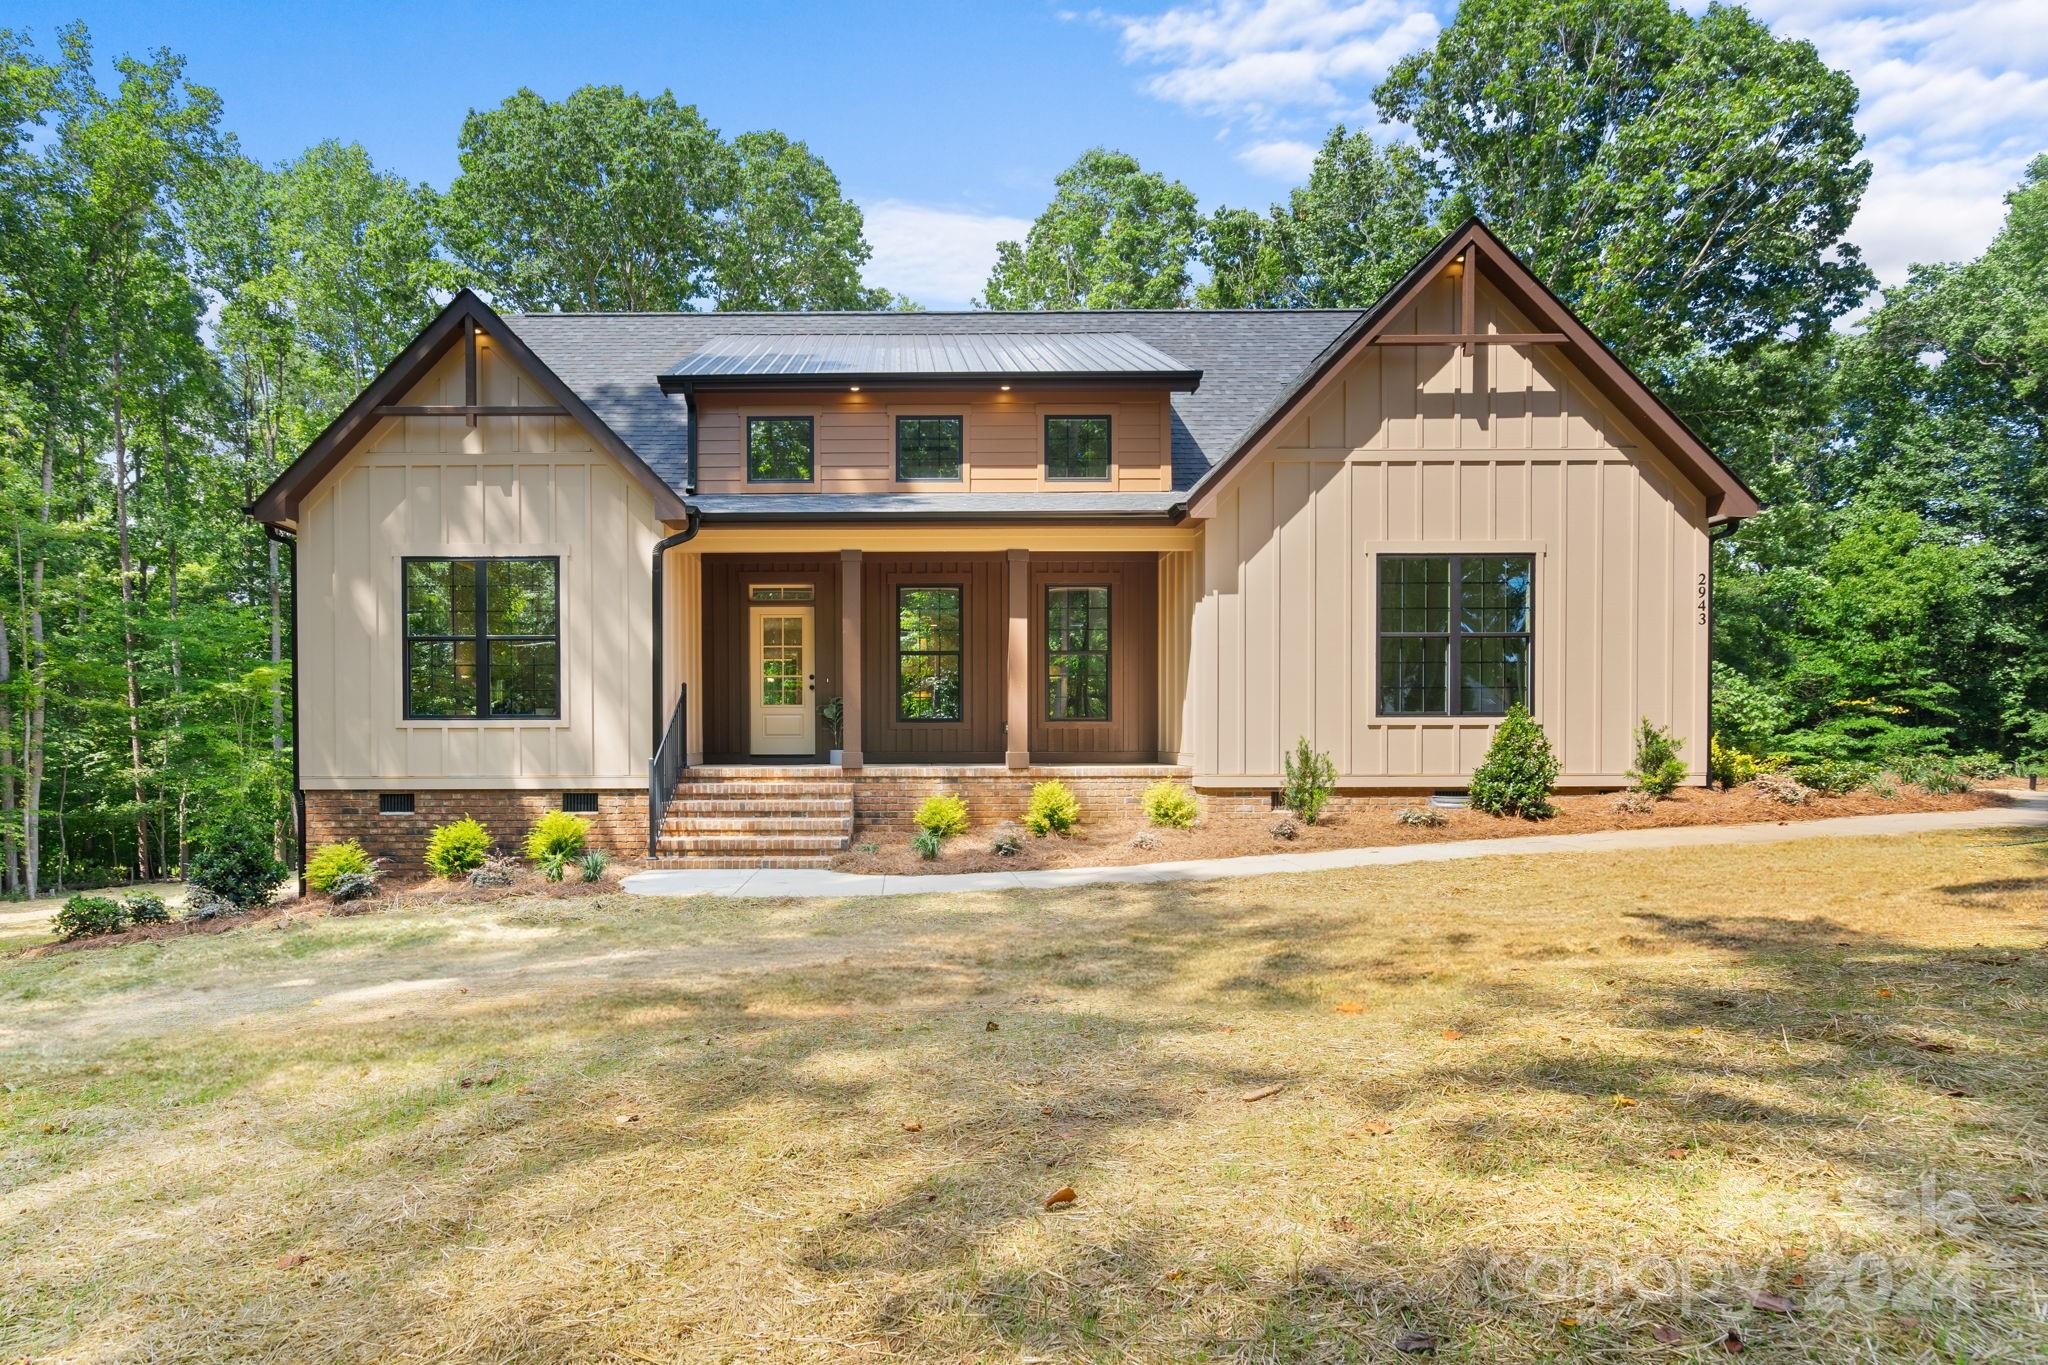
x: 483, y: 723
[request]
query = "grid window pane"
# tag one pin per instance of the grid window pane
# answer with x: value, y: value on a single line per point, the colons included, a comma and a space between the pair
x: 1413, y: 669
x: 928, y: 447
x: 1077, y: 447
x: 1493, y: 596
x: 1077, y: 653
x: 1415, y: 594
x: 782, y: 661
x: 779, y: 449
x: 440, y: 597
x: 524, y: 675
x: 520, y: 595
x: 928, y: 662
x: 1493, y: 674
x: 441, y: 678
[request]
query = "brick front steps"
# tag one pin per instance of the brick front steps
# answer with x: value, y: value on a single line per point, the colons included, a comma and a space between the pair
x: 757, y: 817
x: 799, y: 816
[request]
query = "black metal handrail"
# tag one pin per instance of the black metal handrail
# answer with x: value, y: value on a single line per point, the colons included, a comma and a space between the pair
x: 663, y: 770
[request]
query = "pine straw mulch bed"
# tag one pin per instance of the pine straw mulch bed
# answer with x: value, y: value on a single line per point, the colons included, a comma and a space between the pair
x: 1123, y: 837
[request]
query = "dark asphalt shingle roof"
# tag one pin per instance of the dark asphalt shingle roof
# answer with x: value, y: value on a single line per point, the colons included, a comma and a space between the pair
x: 1248, y: 360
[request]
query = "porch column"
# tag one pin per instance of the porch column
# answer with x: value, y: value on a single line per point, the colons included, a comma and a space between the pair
x: 849, y: 657
x: 1017, y: 749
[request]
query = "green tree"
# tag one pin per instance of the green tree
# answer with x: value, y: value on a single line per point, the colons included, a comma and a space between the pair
x: 1114, y: 236
x: 791, y: 239
x: 604, y: 200
x: 1341, y: 240
x: 1680, y: 180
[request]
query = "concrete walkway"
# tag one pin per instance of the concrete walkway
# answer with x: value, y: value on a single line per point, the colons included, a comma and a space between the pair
x: 2030, y: 810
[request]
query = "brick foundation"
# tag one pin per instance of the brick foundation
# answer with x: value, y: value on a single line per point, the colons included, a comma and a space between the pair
x: 619, y: 826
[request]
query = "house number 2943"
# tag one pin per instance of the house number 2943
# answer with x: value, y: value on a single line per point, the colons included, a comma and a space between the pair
x: 1703, y: 599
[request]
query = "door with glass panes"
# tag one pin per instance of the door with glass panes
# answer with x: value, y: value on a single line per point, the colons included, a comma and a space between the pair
x: 782, y: 720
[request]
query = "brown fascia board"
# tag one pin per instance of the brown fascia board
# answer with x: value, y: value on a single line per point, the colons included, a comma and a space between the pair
x: 1178, y: 381
x: 1728, y: 498
x: 278, y: 504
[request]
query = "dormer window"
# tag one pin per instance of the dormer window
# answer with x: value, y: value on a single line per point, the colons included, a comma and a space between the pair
x: 1077, y: 448
x: 928, y: 448
x: 779, y: 450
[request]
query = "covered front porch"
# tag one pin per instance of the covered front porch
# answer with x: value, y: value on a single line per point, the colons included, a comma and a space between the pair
x: 1006, y: 657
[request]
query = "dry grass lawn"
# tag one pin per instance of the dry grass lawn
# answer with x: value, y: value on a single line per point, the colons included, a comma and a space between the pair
x: 1605, y: 1107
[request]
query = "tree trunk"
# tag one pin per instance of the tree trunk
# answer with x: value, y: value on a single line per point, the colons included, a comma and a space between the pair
x: 128, y: 618
x: 10, y: 867
x: 33, y: 754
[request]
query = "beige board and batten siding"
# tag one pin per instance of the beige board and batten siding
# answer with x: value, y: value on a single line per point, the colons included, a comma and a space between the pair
x: 1003, y: 437
x: 435, y: 486
x: 1408, y: 449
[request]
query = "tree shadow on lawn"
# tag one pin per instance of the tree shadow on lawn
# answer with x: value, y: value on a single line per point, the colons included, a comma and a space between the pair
x: 729, y: 1166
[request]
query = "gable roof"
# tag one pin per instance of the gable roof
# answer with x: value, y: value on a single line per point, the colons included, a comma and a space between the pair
x: 280, y: 502
x: 614, y: 373
x: 1728, y: 498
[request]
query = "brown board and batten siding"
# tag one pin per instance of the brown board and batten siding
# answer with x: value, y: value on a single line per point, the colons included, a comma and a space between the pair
x: 978, y: 736
x: 1131, y: 733
x: 727, y: 583
x: 434, y: 486
x: 1003, y: 438
x: 1423, y: 449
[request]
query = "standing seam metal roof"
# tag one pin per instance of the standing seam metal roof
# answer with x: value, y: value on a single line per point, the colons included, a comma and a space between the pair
x: 1248, y: 360
x: 824, y: 354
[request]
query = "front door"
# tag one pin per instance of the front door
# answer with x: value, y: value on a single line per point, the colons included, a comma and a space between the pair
x: 781, y: 717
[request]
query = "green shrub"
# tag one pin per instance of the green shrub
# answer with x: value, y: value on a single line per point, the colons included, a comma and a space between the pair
x: 1658, y: 769
x: 593, y: 863
x: 233, y: 863
x: 557, y: 835
x: 89, y: 916
x: 1053, y: 809
x: 458, y: 849
x: 1519, y: 770
x: 1983, y: 767
x: 1937, y: 774
x: 552, y: 867
x: 1169, y: 804
x: 146, y: 907
x: 928, y: 843
x: 330, y: 861
x: 1310, y: 778
x: 1834, y: 776
x: 1731, y: 767
x: 944, y: 816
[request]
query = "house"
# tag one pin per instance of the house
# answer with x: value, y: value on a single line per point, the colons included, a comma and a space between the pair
x: 619, y: 563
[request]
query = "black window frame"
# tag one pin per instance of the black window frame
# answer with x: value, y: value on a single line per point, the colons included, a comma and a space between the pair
x: 1109, y: 456
x: 960, y: 452
x: 1108, y: 652
x: 959, y: 655
x: 1455, y: 634
x: 811, y: 440
x: 481, y: 637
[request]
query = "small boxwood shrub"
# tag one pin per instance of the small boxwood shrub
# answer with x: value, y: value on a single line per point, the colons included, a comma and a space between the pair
x: 89, y: 917
x: 557, y: 836
x: 944, y: 816
x: 1310, y: 779
x: 1168, y: 804
x: 146, y: 907
x: 1658, y: 769
x: 1053, y: 809
x: 233, y: 862
x: 458, y: 849
x: 329, y: 862
x: 1519, y: 771
x: 1729, y: 766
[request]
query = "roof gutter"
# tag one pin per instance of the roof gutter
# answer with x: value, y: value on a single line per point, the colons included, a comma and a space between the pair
x: 1180, y: 381
x: 1166, y: 516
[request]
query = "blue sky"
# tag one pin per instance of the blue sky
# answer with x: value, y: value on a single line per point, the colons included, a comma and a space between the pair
x: 947, y: 122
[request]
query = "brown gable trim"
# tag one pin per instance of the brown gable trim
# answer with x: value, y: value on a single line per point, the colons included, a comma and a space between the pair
x: 279, y: 503
x: 1728, y: 498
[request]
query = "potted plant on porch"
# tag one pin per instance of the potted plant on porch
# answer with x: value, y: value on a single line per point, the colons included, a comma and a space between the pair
x: 833, y: 712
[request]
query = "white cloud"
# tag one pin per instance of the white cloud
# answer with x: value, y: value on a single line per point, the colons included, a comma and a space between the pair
x: 1919, y: 214
x: 1281, y: 158
x: 1257, y: 59
x: 938, y: 256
